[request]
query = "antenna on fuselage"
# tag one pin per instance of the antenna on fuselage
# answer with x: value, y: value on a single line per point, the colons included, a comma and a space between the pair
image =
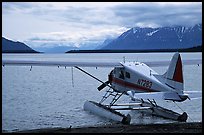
x: 123, y: 59
x: 30, y: 67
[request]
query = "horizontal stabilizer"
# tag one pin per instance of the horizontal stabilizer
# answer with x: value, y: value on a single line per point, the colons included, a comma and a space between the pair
x: 158, y: 96
x: 193, y: 94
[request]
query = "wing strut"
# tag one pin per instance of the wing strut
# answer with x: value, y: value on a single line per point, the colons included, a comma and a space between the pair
x: 94, y: 77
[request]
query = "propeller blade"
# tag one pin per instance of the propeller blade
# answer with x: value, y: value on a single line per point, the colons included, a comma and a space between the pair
x: 103, y: 85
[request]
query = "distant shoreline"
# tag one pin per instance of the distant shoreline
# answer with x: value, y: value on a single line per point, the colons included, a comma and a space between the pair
x: 193, y: 49
x: 124, y: 51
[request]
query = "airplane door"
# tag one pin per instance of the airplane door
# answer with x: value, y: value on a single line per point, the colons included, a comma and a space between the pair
x: 119, y: 79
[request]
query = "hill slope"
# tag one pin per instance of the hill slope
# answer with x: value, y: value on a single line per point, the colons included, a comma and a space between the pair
x: 9, y: 46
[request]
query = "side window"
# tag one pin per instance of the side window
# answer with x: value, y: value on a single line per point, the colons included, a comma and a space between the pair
x: 127, y: 74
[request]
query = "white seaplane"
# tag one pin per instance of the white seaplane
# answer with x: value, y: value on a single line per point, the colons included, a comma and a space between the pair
x: 136, y: 80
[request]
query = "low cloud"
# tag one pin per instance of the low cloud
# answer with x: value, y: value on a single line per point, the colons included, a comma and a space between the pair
x: 77, y: 37
x: 79, y: 23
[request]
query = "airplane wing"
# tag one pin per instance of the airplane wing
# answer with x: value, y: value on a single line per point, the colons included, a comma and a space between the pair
x: 59, y: 63
x: 166, y: 63
x: 90, y: 64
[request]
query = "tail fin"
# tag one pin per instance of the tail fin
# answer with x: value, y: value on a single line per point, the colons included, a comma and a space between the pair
x: 174, y: 74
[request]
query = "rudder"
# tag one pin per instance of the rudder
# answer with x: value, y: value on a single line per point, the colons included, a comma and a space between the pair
x: 174, y: 74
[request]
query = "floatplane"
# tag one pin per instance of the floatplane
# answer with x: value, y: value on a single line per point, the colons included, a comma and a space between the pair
x: 134, y: 79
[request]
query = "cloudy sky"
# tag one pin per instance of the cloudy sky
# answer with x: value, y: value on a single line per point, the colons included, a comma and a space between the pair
x: 82, y: 23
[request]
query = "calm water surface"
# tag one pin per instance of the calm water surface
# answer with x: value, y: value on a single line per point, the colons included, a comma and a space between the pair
x: 47, y: 96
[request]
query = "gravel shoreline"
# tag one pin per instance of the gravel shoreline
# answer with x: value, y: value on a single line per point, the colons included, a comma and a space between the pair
x: 181, y: 127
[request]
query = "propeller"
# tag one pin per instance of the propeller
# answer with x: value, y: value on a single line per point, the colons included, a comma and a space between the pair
x: 103, y: 85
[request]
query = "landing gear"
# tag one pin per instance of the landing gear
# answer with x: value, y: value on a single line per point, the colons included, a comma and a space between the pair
x: 110, y: 92
x: 110, y: 110
x: 159, y: 111
x: 107, y: 111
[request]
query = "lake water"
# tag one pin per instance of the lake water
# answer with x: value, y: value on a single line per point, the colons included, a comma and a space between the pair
x: 47, y: 96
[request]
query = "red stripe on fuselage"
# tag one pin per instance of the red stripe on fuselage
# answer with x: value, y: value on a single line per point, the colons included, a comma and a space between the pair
x: 132, y: 85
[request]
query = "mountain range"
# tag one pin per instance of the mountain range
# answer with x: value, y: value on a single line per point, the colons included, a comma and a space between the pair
x: 9, y: 46
x: 177, y: 37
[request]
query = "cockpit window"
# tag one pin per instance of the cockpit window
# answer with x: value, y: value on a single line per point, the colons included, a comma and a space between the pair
x: 121, y: 75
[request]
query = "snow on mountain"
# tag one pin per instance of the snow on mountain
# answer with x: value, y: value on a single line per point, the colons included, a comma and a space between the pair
x: 158, y: 38
x: 151, y: 33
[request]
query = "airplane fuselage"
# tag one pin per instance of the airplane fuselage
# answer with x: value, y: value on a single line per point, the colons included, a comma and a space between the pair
x: 137, y: 77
